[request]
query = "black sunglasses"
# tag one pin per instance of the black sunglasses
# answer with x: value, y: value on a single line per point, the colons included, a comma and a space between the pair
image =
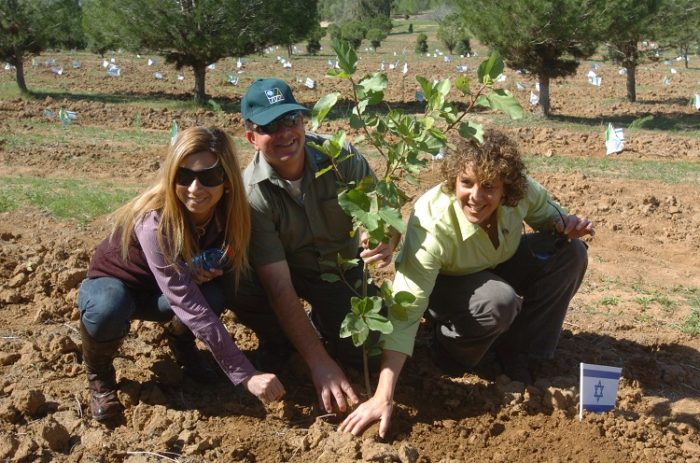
x: 287, y: 120
x: 209, y: 177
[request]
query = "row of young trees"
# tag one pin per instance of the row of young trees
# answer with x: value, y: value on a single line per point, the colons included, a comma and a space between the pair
x: 343, y: 10
x: 188, y: 33
x: 549, y: 38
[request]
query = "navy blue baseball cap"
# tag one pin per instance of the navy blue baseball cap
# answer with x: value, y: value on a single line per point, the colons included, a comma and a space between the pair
x: 267, y: 99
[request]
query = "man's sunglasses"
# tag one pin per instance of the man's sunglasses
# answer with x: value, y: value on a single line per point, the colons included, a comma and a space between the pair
x: 209, y: 177
x: 288, y: 120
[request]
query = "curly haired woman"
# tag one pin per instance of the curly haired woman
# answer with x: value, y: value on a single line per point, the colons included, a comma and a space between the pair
x: 485, y: 283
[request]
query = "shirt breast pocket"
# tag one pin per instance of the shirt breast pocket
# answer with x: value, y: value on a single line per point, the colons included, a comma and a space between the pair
x: 337, y: 223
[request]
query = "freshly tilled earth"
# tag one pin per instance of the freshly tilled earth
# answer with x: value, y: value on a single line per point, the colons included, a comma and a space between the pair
x: 641, y: 283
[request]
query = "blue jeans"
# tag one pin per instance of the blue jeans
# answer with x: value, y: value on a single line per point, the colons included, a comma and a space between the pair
x: 107, y: 306
x: 520, y: 304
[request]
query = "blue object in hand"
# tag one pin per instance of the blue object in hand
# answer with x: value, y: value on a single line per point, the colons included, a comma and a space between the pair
x: 210, y: 259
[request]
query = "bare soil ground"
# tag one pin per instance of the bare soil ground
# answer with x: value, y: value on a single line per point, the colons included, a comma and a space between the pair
x: 641, y: 286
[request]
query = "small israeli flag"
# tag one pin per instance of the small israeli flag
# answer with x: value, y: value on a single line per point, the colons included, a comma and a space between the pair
x: 310, y: 83
x: 534, y: 99
x: 67, y: 116
x: 696, y: 101
x: 598, y: 388
x: 594, y: 79
x: 614, y: 140
x: 114, y: 71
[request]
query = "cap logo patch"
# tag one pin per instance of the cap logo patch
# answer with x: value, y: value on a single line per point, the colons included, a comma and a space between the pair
x: 274, y: 95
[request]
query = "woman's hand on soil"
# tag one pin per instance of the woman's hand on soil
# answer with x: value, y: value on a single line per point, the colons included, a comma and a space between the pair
x: 367, y: 413
x: 265, y: 386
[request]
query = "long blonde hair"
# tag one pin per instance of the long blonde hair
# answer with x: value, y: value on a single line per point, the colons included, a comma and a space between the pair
x: 175, y: 235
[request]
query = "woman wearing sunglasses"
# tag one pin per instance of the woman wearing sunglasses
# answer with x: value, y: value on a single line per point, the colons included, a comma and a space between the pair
x: 484, y: 282
x: 163, y: 261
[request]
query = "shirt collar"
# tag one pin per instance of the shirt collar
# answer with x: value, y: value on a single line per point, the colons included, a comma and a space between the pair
x: 466, y: 228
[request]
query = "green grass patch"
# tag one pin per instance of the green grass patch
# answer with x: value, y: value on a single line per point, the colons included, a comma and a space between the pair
x: 643, y: 318
x: 53, y: 133
x: 64, y: 198
x: 649, y: 298
x: 691, y: 325
x: 609, y: 301
x: 642, y: 122
x: 669, y: 172
x: 7, y: 203
x: 685, y: 290
x: 9, y: 90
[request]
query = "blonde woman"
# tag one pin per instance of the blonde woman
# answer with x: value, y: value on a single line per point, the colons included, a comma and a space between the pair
x: 164, y: 261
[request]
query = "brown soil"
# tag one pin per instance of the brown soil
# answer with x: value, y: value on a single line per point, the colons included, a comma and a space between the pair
x: 642, y: 274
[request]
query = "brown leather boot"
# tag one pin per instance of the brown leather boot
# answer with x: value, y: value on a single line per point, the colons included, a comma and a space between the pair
x: 104, y: 403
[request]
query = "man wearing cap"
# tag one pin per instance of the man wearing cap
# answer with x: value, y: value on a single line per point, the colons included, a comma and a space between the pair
x: 298, y: 229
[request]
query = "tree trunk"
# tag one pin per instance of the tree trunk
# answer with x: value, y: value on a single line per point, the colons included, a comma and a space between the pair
x: 200, y: 76
x: 631, y: 83
x: 19, y: 67
x: 544, y: 94
x: 290, y: 49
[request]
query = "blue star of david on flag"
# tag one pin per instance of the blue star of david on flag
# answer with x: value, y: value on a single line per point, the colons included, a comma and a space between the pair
x: 598, y: 388
x: 598, y: 391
